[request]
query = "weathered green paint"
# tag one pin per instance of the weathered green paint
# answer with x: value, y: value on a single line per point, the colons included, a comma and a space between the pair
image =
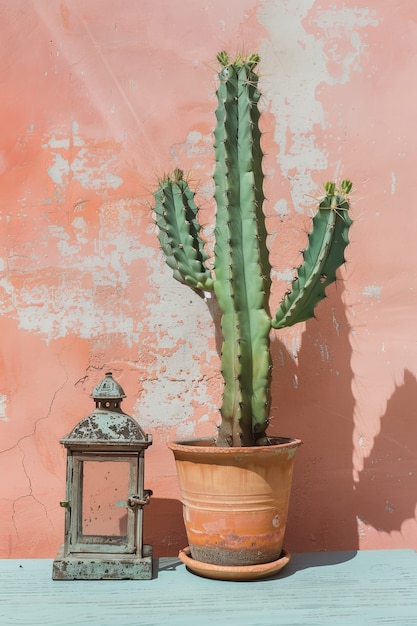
x: 103, y: 567
x: 105, y: 440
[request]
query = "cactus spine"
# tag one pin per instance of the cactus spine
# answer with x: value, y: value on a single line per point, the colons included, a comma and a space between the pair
x: 241, y: 274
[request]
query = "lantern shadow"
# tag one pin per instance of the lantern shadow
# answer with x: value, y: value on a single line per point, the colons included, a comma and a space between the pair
x: 163, y: 527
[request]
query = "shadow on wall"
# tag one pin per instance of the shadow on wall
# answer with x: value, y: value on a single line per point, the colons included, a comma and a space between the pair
x: 312, y: 400
x: 163, y: 527
x: 386, y: 493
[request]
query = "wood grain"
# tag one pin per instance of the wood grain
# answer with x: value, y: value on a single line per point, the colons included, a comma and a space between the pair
x: 367, y: 588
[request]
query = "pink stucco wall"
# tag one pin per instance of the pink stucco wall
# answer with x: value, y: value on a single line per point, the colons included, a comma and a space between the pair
x: 101, y: 97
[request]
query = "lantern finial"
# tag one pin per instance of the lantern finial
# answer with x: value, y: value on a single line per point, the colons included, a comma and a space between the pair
x: 108, y: 389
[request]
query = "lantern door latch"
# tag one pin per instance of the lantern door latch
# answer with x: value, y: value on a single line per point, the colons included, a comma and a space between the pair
x: 137, y: 501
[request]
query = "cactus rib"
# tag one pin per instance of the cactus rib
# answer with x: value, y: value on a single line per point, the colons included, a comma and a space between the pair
x: 179, y: 233
x: 324, y: 254
x: 241, y: 259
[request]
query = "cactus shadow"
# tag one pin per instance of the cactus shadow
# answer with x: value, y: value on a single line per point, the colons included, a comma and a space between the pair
x: 312, y: 400
x: 386, y: 493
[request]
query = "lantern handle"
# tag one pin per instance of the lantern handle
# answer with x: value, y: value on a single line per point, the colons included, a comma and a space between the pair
x: 137, y: 501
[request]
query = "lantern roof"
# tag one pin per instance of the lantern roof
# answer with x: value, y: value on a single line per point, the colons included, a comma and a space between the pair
x: 107, y: 427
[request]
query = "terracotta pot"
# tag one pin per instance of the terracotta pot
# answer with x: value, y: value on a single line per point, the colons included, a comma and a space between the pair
x: 235, y: 499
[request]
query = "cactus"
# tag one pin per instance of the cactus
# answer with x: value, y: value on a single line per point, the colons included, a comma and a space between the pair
x: 241, y: 275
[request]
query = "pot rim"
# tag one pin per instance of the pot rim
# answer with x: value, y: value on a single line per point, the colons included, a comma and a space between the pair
x: 207, y: 444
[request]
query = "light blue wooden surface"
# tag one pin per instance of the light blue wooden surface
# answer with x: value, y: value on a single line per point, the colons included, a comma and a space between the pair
x: 366, y: 588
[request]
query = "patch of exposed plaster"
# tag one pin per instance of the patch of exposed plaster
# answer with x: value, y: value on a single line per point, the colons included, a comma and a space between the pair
x: 335, y: 323
x: 291, y: 343
x: 389, y: 506
x: 298, y: 63
x: 181, y: 329
x: 186, y: 430
x: 59, y: 170
x: 372, y: 291
x: 393, y: 183
x: 324, y: 352
x: 341, y: 25
x: 287, y: 275
x: 85, y: 295
x: 195, y: 146
x: 71, y: 159
x: 92, y: 175
x: 362, y: 528
x: 3, y: 406
x: 281, y: 208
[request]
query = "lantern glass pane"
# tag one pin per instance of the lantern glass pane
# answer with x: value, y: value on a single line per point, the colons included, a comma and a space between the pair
x: 104, y: 494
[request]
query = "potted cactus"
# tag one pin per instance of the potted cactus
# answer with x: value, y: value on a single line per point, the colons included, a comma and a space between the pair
x: 235, y: 487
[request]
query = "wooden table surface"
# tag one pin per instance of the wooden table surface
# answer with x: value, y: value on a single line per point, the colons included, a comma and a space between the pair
x: 363, y: 588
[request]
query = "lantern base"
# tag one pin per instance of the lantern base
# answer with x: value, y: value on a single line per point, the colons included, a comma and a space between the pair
x: 88, y: 566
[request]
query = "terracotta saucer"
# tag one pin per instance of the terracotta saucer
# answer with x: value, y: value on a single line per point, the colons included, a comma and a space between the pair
x: 233, y: 572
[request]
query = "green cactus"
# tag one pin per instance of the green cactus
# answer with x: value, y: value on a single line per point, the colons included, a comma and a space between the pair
x: 241, y: 274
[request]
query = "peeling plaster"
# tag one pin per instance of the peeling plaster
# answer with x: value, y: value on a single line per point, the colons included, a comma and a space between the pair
x: 291, y: 342
x: 181, y: 329
x: 71, y: 159
x: 362, y: 528
x: 3, y: 406
x: 343, y: 25
x: 302, y: 61
x: 281, y: 208
x: 372, y: 291
x: 324, y: 352
x: 393, y: 183
x: 69, y: 299
x: 287, y: 275
x: 196, y: 146
x: 335, y: 323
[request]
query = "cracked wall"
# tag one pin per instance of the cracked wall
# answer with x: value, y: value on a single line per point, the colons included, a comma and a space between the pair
x: 98, y: 100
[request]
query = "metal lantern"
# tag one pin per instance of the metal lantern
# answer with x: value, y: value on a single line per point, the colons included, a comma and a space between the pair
x: 104, y: 494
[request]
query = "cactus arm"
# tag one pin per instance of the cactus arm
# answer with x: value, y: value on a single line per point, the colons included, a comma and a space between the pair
x: 241, y: 260
x: 323, y: 256
x: 179, y: 233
